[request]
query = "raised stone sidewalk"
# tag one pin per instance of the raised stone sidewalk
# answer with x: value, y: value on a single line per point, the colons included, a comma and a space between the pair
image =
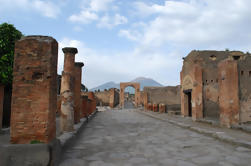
x: 232, y: 136
x: 38, y: 154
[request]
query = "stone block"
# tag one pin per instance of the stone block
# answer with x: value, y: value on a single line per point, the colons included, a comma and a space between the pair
x: 162, y: 108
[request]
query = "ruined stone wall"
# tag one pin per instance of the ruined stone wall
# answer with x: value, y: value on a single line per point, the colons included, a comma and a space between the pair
x: 34, y: 95
x: 116, y: 97
x: 169, y: 95
x: 228, y: 93
x: 208, y: 61
x: 244, y: 72
x: 103, y: 97
x: 107, y: 98
x: 142, y: 98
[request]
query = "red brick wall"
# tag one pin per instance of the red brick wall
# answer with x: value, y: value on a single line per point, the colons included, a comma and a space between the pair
x: 77, y: 91
x: 84, y: 108
x: 34, y: 96
x: 229, y: 93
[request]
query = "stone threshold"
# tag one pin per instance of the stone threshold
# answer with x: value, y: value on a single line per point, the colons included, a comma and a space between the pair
x: 222, y: 136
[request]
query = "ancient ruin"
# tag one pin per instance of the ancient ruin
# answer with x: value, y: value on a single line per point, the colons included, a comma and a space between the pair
x: 167, y: 98
x: 214, y: 85
x: 77, y: 91
x: 135, y: 85
x: 67, y: 90
x: 107, y: 98
x: 34, y: 97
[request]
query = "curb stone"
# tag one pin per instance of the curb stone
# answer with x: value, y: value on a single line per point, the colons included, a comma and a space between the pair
x: 217, y: 135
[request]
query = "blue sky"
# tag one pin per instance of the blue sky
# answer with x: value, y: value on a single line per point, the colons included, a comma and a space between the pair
x: 119, y: 40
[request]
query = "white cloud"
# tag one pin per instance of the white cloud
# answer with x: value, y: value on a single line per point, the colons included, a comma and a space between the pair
x: 45, y: 8
x: 84, y: 17
x: 98, y: 11
x: 195, y: 24
x: 130, y: 34
x: 100, y: 5
x: 110, y: 22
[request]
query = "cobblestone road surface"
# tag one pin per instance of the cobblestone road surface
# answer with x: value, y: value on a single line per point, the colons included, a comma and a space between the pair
x: 128, y: 138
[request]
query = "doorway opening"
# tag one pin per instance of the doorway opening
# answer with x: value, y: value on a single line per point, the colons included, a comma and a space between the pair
x: 188, y: 102
x: 129, y: 97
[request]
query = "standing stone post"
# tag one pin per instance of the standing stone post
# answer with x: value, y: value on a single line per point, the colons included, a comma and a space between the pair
x: 67, y: 90
x: 34, y: 94
x: 1, y: 104
x: 77, y: 91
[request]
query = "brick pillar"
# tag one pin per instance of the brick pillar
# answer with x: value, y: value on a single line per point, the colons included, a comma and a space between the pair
x: 1, y: 104
x: 67, y: 90
x: 155, y: 107
x: 84, y: 106
x: 145, y: 100
x: 162, y: 108
x: 34, y: 94
x: 89, y: 106
x: 112, y: 98
x: 93, y: 102
x: 197, y: 93
x: 228, y: 93
x: 77, y: 91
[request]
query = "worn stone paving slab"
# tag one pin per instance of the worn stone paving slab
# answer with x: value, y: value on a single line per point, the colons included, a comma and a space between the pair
x: 127, y: 138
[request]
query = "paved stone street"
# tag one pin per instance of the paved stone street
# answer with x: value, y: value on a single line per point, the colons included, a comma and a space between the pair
x: 128, y: 138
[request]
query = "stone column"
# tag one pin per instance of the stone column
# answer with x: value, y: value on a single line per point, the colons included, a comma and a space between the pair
x: 34, y: 94
x: 92, y: 103
x: 77, y: 91
x: 112, y: 98
x: 229, y: 93
x: 84, y: 106
x: 67, y: 90
x: 1, y: 104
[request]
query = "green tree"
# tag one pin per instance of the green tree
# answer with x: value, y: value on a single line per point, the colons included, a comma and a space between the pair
x: 8, y: 35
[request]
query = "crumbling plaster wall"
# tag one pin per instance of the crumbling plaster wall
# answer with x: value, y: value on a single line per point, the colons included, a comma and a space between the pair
x: 169, y: 95
x: 244, y: 70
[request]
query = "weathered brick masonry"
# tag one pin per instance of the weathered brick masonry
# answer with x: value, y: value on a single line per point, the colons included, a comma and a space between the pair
x: 135, y: 85
x: 77, y: 91
x: 169, y: 96
x: 34, y: 97
x: 67, y: 90
x: 216, y: 85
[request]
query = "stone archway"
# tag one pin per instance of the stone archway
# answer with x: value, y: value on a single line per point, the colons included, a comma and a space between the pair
x: 135, y: 85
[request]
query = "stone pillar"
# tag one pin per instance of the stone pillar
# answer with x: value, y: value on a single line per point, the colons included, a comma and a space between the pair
x: 228, y: 93
x: 112, y: 98
x: 149, y: 106
x: 197, y: 93
x: 34, y: 94
x: 84, y: 106
x: 92, y: 103
x: 67, y: 90
x: 1, y: 104
x: 77, y: 91
x: 145, y: 100
x: 155, y: 107
x: 162, y: 108
x: 89, y: 107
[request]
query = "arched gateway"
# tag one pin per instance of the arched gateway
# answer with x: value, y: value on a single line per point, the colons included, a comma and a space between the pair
x: 135, y: 85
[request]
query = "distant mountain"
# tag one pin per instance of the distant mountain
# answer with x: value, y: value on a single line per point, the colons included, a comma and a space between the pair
x: 146, y: 82
x: 107, y: 86
x: 142, y: 80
